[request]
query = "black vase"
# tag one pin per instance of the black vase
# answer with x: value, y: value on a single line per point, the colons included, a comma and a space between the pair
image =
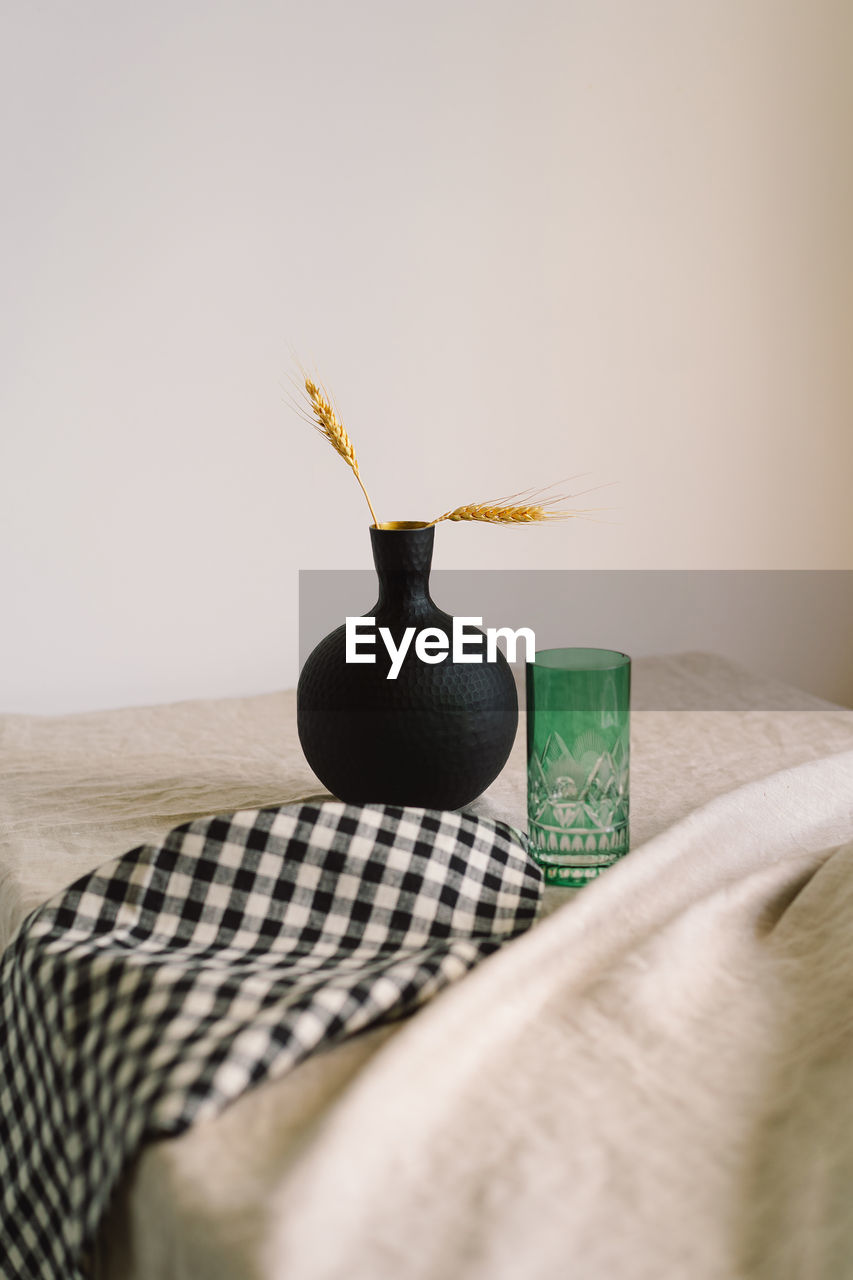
x: 434, y: 737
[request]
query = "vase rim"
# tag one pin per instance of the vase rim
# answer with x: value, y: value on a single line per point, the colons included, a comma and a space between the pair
x: 392, y: 526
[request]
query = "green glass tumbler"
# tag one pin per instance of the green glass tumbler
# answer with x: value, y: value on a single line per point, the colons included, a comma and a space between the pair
x: 578, y: 747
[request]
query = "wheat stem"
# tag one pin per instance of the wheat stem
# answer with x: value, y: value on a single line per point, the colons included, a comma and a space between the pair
x: 367, y: 497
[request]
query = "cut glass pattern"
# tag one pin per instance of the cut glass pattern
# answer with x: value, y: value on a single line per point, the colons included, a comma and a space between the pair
x: 578, y: 797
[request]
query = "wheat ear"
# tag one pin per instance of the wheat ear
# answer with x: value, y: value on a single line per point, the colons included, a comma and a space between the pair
x: 506, y: 511
x: 327, y: 422
x: 491, y: 513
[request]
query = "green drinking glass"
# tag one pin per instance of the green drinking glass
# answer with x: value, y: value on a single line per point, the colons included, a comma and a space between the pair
x: 578, y: 744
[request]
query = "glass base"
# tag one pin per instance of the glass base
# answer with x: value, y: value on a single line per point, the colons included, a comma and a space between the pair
x: 573, y: 858
x: 572, y: 877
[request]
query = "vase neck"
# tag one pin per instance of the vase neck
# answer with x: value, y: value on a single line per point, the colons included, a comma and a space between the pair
x: 403, y: 558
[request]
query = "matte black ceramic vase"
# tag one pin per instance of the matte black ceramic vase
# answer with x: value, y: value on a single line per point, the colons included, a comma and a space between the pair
x: 434, y: 737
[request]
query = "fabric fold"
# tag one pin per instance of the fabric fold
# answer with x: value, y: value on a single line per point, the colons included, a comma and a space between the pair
x: 157, y: 989
x: 652, y: 1084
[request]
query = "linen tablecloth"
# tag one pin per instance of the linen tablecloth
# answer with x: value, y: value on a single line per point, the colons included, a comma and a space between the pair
x: 649, y: 952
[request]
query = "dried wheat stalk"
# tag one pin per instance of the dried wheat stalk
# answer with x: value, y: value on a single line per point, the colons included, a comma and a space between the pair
x: 506, y: 511
x: 527, y: 507
x: 325, y: 420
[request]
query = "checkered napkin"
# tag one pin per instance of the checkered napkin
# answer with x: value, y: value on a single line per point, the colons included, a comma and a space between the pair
x: 158, y: 988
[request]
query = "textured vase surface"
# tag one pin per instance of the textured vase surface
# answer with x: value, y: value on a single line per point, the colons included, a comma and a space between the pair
x: 434, y: 737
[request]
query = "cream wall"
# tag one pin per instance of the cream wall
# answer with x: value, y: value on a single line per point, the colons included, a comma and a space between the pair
x: 519, y: 241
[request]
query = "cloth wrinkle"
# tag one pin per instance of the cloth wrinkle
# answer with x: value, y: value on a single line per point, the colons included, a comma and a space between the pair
x: 258, y: 937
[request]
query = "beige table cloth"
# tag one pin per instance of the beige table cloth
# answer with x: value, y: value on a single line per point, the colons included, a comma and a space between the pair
x: 653, y: 1082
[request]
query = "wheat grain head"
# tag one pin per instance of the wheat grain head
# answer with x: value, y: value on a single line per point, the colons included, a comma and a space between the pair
x: 324, y: 418
x: 509, y: 511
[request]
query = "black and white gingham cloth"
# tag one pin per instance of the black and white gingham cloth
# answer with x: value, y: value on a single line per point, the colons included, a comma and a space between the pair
x: 158, y: 988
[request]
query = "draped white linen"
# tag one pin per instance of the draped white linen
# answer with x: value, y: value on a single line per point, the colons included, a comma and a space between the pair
x: 651, y: 1083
